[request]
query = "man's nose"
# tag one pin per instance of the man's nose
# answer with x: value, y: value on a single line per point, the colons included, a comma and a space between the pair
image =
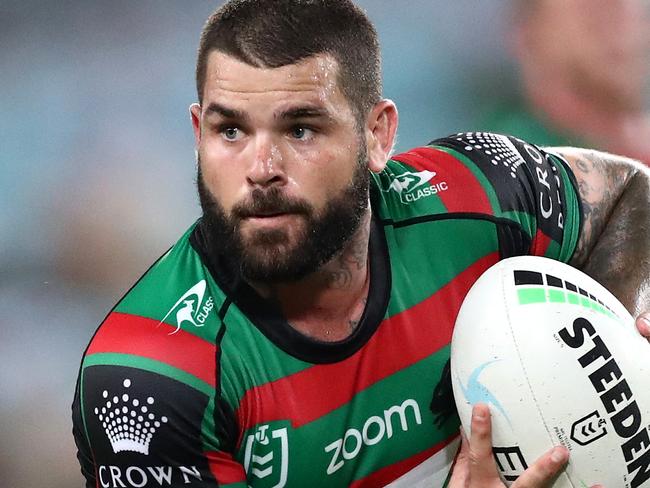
x: 267, y: 167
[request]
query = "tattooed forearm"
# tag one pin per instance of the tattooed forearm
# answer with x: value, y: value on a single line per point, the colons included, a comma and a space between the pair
x: 601, y: 181
x: 620, y: 259
x: 614, y: 246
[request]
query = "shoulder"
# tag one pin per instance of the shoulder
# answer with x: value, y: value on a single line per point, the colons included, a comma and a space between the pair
x: 166, y: 323
x: 472, y: 172
x: 483, y: 176
x: 176, y: 294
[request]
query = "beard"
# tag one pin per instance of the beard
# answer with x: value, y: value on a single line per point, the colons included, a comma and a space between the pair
x: 268, y: 255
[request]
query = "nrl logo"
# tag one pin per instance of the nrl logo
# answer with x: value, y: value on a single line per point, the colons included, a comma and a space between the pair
x: 413, y: 186
x: 267, y: 456
x: 191, y: 308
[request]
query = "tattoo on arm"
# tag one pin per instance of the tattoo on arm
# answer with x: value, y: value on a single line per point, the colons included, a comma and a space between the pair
x: 600, y: 184
x: 614, y: 245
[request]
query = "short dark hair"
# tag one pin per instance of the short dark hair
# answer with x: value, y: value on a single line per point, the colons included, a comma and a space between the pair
x: 274, y: 33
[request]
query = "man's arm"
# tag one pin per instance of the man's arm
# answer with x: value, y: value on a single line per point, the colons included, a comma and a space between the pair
x: 614, y: 245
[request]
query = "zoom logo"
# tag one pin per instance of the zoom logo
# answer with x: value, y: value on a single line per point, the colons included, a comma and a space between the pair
x: 374, y: 430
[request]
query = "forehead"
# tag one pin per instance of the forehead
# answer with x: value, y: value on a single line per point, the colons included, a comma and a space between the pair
x: 313, y: 79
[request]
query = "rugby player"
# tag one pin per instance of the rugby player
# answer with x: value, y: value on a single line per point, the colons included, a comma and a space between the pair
x: 298, y: 333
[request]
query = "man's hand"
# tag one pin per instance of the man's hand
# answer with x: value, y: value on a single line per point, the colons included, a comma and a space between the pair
x: 475, y: 466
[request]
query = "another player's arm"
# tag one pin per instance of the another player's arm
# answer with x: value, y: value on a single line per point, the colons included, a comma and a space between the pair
x: 614, y: 245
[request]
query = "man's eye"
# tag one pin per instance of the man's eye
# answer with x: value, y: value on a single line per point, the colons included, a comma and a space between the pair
x: 299, y: 132
x: 230, y: 133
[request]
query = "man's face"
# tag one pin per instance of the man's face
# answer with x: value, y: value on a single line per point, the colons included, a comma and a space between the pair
x: 283, y: 179
x: 602, y: 46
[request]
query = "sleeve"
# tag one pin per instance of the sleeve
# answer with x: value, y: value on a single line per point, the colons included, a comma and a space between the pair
x: 84, y: 454
x: 532, y: 194
x: 137, y: 427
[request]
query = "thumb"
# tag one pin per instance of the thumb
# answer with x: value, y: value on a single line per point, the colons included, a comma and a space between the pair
x: 643, y: 324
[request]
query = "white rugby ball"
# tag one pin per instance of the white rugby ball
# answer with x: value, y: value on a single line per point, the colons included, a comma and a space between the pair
x: 559, y: 361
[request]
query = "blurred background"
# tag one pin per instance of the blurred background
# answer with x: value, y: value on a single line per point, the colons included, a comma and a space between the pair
x: 97, y: 159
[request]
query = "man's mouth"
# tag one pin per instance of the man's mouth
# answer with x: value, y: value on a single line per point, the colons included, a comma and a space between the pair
x: 267, y: 214
x: 269, y: 218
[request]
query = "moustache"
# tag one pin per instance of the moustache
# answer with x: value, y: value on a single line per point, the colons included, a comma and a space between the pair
x: 269, y: 202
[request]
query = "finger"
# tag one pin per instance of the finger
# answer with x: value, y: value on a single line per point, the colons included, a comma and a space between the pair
x: 545, y: 470
x: 482, y: 469
x: 643, y: 324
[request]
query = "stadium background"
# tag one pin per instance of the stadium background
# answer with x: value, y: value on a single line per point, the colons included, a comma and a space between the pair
x: 97, y: 178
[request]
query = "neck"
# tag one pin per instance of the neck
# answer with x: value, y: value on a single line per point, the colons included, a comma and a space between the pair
x: 328, y: 304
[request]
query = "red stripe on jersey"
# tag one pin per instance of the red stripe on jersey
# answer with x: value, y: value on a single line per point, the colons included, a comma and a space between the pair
x: 464, y: 192
x: 307, y: 395
x: 224, y: 468
x: 385, y: 475
x: 540, y: 244
x: 130, y: 334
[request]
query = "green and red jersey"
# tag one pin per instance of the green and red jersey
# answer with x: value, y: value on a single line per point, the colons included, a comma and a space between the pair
x: 194, y: 380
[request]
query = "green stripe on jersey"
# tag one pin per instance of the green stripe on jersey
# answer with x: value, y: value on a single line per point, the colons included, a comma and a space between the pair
x: 178, y: 280
x: 209, y: 438
x: 554, y: 251
x: 128, y: 360
x: 247, y: 356
x: 386, y: 423
x: 425, y: 259
x: 572, y: 216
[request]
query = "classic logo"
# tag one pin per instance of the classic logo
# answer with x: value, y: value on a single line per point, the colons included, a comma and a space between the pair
x: 267, y: 456
x: 413, y: 186
x: 191, y: 308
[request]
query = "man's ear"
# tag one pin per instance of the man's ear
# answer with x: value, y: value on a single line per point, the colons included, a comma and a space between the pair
x: 381, y: 126
x: 195, y: 114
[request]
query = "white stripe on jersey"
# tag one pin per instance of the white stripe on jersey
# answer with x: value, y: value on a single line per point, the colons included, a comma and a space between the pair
x: 432, y: 472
